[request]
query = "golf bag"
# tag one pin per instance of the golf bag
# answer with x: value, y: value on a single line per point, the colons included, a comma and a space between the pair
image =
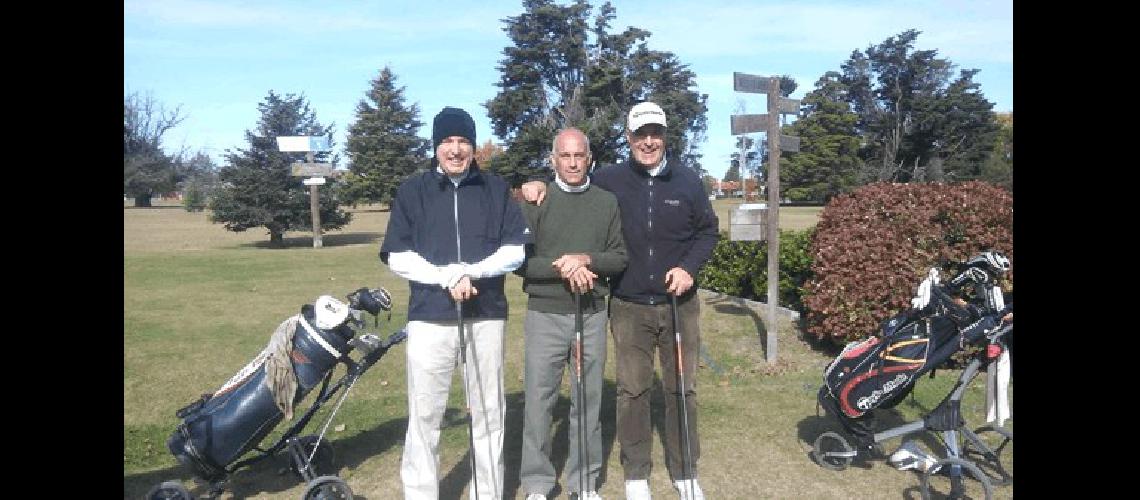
x: 880, y: 371
x: 222, y: 426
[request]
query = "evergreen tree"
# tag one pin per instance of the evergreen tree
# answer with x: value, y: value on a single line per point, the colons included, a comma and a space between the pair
x: 198, y: 178
x: 917, y: 122
x: 564, y: 71
x: 147, y: 169
x: 998, y: 168
x: 258, y: 188
x: 828, y: 161
x: 383, y: 146
x: 733, y: 172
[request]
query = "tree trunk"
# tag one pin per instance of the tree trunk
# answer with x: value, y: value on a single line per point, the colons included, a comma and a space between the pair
x: 934, y: 171
x: 276, y: 238
x: 142, y: 200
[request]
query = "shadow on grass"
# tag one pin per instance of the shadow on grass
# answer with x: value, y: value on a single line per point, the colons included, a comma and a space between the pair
x: 327, y: 240
x: 455, y: 481
x: 272, y: 474
x: 812, y: 426
x: 725, y: 305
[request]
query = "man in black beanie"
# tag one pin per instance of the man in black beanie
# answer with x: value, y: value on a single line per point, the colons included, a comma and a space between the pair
x: 454, y: 232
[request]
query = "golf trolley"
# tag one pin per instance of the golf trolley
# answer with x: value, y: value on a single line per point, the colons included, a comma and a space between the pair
x: 880, y: 371
x: 222, y: 426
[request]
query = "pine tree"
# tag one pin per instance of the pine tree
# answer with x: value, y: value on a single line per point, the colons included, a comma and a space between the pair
x: 258, y: 188
x: 916, y: 120
x: 998, y: 168
x: 563, y: 71
x: 383, y: 146
x: 828, y: 162
x: 147, y: 169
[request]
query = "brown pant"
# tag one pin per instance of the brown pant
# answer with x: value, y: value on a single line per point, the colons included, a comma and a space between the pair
x: 638, y: 331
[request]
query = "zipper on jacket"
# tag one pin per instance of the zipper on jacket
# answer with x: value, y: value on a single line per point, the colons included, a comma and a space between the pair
x: 455, y: 209
x: 649, y: 238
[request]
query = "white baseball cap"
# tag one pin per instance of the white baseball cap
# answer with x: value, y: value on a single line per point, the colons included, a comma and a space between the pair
x: 330, y: 312
x: 643, y: 114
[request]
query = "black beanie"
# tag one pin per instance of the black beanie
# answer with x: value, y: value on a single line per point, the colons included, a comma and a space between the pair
x: 452, y: 121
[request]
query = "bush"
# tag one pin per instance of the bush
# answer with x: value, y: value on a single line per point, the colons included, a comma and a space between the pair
x: 194, y: 198
x: 740, y: 268
x: 872, y: 247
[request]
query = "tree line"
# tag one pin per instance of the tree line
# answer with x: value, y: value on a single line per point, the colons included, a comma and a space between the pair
x: 889, y: 113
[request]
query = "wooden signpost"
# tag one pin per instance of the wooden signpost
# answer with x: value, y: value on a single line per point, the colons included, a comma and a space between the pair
x: 770, y: 124
x: 316, y: 172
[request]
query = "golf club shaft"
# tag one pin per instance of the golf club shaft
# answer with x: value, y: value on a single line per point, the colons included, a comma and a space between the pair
x: 583, y: 454
x: 688, y: 465
x: 467, y: 396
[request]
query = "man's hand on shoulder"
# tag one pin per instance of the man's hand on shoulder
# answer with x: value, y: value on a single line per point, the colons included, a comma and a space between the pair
x: 533, y: 192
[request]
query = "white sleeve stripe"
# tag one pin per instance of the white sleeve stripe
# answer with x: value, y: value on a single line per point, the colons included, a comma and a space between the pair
x: 411, y: 266
x: 506, y: 259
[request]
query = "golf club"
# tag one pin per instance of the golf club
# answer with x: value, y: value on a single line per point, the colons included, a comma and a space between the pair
x: 583, y: 450
x: 467, y: 395
x: 688, y: 465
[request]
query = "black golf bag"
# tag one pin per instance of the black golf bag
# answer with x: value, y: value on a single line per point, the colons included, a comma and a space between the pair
x: 221, y: 427
x: 880, y: 372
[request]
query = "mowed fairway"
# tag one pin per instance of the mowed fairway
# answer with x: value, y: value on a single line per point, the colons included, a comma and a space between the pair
x: 200, y: 302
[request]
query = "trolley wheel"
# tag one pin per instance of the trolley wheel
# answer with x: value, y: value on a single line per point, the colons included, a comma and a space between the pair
x: 939, y: 481
x: 328, y: 488
x: 322, y: 462
x: 833, y: 452
x: 169, y: 490
x: 993, y: 453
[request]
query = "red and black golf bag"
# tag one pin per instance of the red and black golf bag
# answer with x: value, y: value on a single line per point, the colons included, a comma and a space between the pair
x: 880, y: 371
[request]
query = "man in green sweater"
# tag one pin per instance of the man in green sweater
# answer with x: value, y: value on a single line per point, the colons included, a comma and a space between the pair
x: 578, y: 244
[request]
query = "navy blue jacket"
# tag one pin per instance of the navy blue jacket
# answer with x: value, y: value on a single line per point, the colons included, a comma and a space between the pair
x: 423, y: 220
x: 667, y: 222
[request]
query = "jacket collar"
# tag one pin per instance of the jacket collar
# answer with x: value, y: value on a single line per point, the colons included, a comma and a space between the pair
x: 666, y: 171
x: 474, y: 175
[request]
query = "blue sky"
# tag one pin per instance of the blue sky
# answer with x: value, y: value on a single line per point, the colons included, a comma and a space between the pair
x: 218, y: 59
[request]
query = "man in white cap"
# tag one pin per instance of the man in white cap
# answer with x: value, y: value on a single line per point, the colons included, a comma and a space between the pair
x: 670, y: 230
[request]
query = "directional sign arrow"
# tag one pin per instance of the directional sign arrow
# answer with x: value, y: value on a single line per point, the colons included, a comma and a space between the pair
x: 312, y: 169
x: 789, y: 143
x: 789, y: 106
x: 755, y: 84
x: 747, y: 124
x: 302, y: 143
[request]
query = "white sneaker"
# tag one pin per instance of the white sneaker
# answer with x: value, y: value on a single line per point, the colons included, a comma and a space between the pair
x: 590, y: 495
x: 637, y: 490
x: 910, y: 456
x: 682, y: 486
x: 536, y: 496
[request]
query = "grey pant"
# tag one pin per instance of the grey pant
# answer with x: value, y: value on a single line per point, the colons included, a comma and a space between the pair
x: 549, y: 348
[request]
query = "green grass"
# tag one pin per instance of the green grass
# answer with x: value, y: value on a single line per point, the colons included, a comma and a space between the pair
x: 200, y: 302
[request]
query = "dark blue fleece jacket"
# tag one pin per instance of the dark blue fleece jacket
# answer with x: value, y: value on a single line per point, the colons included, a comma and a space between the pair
x: 667, y: 221
x: 423, y: 219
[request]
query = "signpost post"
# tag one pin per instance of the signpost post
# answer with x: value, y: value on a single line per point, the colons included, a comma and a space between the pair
x: 315, y: 172
x: 769, y: 123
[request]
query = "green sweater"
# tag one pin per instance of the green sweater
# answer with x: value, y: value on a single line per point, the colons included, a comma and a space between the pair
x: 586, y: 222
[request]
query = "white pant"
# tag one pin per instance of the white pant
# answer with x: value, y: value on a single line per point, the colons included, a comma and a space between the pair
x: 433, y: 353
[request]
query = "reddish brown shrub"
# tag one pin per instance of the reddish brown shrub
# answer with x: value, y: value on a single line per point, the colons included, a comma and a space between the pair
x: 873, y: 246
